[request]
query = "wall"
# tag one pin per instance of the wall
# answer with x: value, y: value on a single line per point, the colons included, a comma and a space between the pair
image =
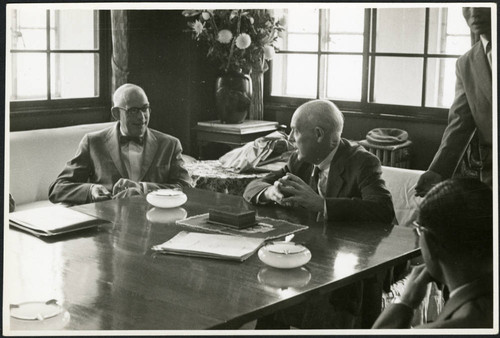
x: 173, y: 71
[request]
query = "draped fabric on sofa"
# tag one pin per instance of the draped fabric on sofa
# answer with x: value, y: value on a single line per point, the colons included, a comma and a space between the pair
x: 119, y: 59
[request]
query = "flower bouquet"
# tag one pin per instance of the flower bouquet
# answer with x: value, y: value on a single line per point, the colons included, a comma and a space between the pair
x: 241, y: 42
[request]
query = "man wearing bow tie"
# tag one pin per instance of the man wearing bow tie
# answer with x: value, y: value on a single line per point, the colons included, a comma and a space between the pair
x: 123, y: 160
x: 471, y: 110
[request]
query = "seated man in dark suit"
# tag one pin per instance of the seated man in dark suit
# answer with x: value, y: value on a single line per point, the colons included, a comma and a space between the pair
x: 123, y: 160
x: 341, y: 180
x: 456, y: 238
x: 327, y: 173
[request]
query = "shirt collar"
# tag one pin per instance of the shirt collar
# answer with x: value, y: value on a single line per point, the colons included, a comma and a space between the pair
x: 484, y: 41
x: 325, y: 164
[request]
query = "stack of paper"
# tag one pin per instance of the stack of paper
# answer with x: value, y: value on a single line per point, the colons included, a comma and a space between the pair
x: 53, y: 220
x: 210, y: 245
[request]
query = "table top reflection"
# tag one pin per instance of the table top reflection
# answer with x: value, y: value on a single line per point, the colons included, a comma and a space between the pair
x: 108, y: 278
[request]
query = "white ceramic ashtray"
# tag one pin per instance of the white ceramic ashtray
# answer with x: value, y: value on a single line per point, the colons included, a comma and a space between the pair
x: 166, y: 198
x: 284, y: 255
x: 35, y: 310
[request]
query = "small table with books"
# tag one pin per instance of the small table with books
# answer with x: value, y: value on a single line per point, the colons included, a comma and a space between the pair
x: 109, y: 277
x: 234, y: 135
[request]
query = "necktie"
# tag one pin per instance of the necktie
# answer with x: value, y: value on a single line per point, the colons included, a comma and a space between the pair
x: 488, y: 52
x: 315, y: 178
x: 137, y: 139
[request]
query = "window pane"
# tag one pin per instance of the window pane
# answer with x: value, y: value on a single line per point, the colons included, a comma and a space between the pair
x: 302, y: 42
x: 74, y: 75
x: 400, y: 30
x: 29, y: 76
x: 448, y: 31
x: 73, y: 29
x: 398, y: 80
x: 345, y: 30
x: 440, y: 86
x: 345, y: 43
x: 294, y: 75
x: 300, y: 22
x: 347, y: 20
x: 28, y: 28
x: 344, y: 77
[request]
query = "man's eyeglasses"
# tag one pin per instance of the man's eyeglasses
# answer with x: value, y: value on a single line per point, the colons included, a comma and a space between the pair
x: 418, y: 228
x: 136, y: 110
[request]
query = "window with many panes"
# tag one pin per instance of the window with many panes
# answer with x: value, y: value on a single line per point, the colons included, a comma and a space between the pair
x: 57, y: 56
x: 364, y: 57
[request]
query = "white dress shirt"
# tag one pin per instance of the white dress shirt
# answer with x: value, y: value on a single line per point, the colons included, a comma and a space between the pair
x: 131, y: 154
x: 487, y: 49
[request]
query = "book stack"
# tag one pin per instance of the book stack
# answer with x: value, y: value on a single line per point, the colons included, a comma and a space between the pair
x: 233, y: 218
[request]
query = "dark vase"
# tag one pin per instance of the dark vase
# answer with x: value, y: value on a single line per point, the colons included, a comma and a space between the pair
x: 233, y: 95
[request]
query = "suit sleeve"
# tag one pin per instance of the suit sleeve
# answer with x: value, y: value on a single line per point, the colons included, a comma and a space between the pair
x: 178, y: 176
x: 374, y: 203
x: 458, y: 133
x: 256, y: 186
x: 395, y: 316
x: 72, y: 185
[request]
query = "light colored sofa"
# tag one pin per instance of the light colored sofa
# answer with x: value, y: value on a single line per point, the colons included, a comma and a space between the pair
x: 37, y: 157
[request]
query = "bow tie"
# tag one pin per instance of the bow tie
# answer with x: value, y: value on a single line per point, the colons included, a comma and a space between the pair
x: 126, y: 139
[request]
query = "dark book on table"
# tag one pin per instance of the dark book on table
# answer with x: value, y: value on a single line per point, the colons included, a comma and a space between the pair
x: 53, y: 220
x: 231, y: 217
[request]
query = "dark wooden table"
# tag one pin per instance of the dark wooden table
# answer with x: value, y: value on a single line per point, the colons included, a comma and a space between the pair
x: 108, y: 278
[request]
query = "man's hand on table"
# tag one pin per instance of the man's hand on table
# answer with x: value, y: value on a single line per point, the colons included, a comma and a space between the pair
x: 99, y: 193
x: 126, y: 188
x: 299, y: 193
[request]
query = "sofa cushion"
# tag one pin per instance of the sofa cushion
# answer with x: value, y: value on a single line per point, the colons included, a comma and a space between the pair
x: 38, y: 156
x: 401, y: 183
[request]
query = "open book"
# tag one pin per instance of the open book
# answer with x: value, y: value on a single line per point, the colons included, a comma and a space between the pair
x: 53, y: 220
x: 210, y: 245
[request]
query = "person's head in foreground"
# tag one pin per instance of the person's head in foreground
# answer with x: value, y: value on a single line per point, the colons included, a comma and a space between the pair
x: 316, y: 129
x: 455, y: 227
x: 478, y: 19
x: 131, y: 108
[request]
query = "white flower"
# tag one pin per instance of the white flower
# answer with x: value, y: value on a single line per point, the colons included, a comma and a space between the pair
x: 243, y: 41
x: 205, y: 15
x: 198, y: 27
x: 252, y: 20
x: 268, y: 52
x: 224, y: 36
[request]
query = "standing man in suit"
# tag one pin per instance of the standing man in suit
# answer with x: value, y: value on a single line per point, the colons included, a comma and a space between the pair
x: 327, y: 174
x: 341, y: 180
x: 471, y: 110
x: 123, y: 160
x: 456, y: 239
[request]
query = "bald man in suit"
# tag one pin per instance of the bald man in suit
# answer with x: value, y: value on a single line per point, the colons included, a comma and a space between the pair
x: 124, y: 160
x: 471, y: 110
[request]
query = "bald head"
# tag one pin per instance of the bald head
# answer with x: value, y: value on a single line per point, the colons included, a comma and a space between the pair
x: 127, y: 93
x: 316, y: 129
x: 320, y: 113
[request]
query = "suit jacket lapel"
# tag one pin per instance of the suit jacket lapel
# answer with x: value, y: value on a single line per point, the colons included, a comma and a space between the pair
x: 113, y: 146
x: 335, y: 180
x: 150, y: 147
x: 481, y: 69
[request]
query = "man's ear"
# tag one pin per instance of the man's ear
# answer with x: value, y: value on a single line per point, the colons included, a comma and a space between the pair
x: 319, y: 133
x: 115, y: 112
